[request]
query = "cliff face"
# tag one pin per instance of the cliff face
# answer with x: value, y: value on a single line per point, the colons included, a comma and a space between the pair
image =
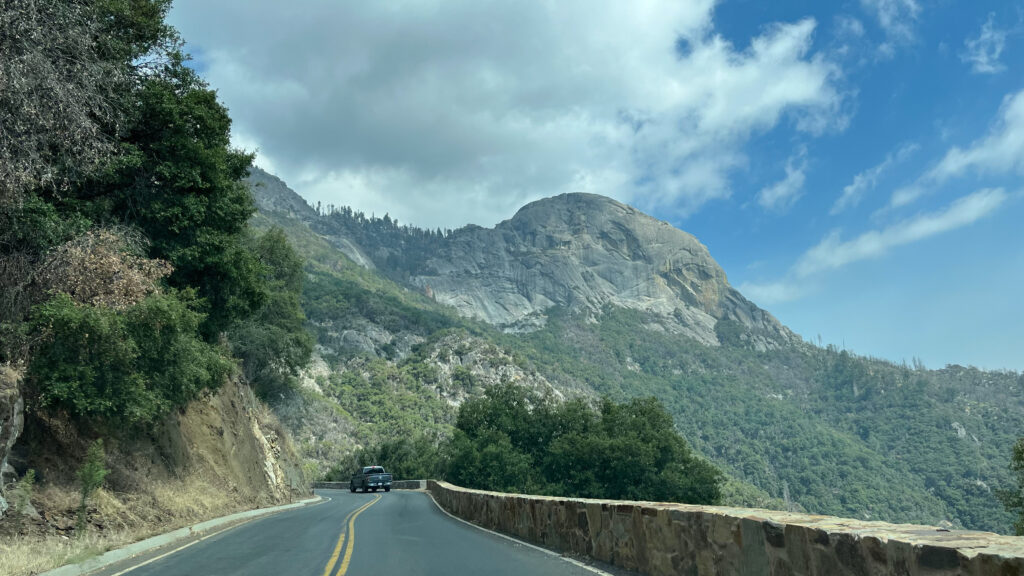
x: 584, y: 252
x: 232, y: 437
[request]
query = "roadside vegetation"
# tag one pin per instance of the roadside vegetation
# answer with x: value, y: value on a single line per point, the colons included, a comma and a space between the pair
x: 131, y: 283
x: 154, y: 508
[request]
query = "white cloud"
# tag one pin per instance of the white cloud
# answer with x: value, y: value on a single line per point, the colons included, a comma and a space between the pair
x: 868, y: 179
x: 1000, y: 152
x: 896, y: 17
x: 833, y: 252
x: 784, y: 193
x: 983, y: 52
x: 773, y: 292
x: 849, y: 27
x: 482, y: 105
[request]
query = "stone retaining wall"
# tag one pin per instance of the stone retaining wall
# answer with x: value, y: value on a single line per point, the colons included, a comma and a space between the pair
x: 668, y: 539
x: 396, y: 484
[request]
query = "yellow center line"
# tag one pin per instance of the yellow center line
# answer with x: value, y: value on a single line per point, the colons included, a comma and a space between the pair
x: 352, y: 537
x: 341, y: 538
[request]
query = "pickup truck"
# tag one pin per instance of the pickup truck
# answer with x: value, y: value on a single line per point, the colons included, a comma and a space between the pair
x: 370, y: 478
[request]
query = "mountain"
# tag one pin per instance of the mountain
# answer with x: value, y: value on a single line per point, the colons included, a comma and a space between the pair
x: 582, y: 252
x: 583, y: 296
x: 585, y: 252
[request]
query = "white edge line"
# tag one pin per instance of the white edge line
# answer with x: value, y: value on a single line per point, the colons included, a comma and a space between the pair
x: 180, y: 548
x: 518, y: 541
x: 211, y: 535
x: 135, y: 549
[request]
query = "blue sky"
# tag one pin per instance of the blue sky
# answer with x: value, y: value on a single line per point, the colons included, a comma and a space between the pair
x: 856, y: 167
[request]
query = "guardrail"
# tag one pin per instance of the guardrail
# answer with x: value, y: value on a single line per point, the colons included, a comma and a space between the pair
x: 395, y: 484
x: 668, y: 539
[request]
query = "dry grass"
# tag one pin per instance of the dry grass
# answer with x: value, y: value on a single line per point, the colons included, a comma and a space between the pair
x: 23, y: 555
x: 117, y: 520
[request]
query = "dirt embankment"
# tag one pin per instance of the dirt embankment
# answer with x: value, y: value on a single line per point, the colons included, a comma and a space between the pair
x: 221, y: 454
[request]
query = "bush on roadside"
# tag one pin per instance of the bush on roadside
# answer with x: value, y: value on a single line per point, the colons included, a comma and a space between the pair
x: 90, y: 478
x: 121, y: 366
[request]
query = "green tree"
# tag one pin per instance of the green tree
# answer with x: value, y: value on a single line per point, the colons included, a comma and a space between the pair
x: 178, y: 179
x: 273, y: 343
x: 406, y: 458
x: 516, y: 440
x: 1013, y: 498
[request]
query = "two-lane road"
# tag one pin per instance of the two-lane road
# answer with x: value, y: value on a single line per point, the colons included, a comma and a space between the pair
x: 401, y: 532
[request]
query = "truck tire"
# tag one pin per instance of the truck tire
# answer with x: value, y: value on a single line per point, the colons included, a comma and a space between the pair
x: 351, y: 487
x: 374, y: 488
x: 387, y: 488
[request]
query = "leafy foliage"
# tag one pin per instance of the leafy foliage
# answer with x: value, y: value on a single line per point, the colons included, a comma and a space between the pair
x: 388, y: 399
x: 273, y: 343
x: 178, y: 180
x: 1013, y: 498
x: 125, y: 252
x: 127, y: 366
x: 405, y: 458
x: 513, y: 440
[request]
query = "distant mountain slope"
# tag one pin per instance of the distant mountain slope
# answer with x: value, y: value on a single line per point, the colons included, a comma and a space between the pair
x: 793, y: 424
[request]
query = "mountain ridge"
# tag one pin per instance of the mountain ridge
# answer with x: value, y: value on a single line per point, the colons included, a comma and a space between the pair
x: 579, y: 251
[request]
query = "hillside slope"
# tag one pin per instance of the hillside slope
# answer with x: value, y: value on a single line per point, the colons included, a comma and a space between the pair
x: 223, y: 453
x: 795, y: 425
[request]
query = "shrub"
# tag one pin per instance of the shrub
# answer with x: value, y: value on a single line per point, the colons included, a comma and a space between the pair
x: 90, y: 479
x: 129, y: 366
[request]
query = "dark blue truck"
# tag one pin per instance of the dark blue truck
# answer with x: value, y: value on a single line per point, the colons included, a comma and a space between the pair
x: 370, y: 478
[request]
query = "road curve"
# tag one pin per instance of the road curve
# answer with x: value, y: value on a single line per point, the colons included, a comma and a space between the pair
x: 400, y: 532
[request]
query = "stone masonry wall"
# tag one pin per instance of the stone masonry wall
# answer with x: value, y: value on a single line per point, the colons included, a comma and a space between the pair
x: 668, y: 539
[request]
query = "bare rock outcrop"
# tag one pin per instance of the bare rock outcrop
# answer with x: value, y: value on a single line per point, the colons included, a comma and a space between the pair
x: 585, y: 252
x: 12, y: 422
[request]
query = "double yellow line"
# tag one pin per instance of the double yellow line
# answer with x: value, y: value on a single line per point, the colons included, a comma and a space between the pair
x: 351, y: 520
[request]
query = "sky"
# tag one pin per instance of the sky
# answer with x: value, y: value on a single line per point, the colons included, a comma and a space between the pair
x: 856, y: 167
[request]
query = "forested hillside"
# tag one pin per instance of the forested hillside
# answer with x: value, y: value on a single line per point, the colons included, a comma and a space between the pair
x: 799, y: 426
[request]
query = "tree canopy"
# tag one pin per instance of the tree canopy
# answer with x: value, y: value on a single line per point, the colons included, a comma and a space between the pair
x: 514, y: 440
x: 126, y: 256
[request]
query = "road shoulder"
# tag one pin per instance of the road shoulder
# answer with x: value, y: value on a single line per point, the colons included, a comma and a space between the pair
x: 144, y: 551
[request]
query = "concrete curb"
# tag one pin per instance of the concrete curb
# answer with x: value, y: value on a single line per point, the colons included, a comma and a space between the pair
x: 106, y: 559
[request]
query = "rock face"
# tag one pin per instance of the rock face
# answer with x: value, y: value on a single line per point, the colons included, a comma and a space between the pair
x: 584, y: 252
x: 12, y: 422
x: 273, y: 195
x: 232, y: 436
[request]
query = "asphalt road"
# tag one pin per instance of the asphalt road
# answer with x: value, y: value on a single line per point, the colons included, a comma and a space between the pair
x: 399, y: 532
